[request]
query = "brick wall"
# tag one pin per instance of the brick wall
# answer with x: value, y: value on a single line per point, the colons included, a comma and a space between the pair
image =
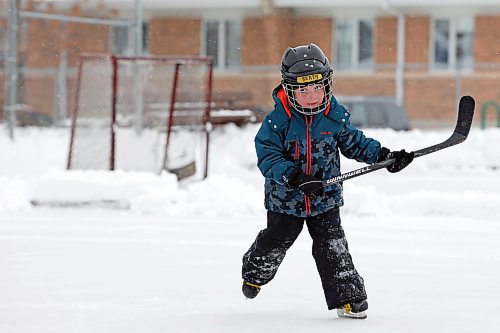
x: 277, y: 31
x: 264, y: 39
x: 174, y: 36
x: 252, y: 43
x: 428, y: 96
x: 315, y: 30
x: 41, y: 46
x: 363, y: 85
x: 2, y: 93
x: 417, y: 39
x: 260, y: 87
x: 44, y: 40
x: 386, y: 40
x: 39, y: 93
x: 484, y: 89
x: 3, y: 26
x: 42, y: 43
x: 487, y: 39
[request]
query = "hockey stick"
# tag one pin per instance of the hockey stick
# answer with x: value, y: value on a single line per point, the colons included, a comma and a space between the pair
x: 462, y: 128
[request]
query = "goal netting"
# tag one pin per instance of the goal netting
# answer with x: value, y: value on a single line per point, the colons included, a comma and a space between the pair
x: 142, y: 114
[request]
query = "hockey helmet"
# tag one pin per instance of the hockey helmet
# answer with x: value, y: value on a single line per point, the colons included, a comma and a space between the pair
x: 302, y: 66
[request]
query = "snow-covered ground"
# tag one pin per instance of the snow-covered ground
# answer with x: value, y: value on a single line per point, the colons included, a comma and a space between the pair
x: 426, y: 241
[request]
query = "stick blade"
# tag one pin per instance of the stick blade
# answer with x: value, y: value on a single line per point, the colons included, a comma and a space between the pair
x: 465, y: 115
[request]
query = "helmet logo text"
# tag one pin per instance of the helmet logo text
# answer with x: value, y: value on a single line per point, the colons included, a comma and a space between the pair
x: 309, y: 78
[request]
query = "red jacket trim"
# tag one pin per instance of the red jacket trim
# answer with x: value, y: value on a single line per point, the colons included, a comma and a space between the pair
x: 284, y: 100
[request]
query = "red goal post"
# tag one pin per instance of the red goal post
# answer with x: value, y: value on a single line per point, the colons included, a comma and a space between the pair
x: 148, y: 113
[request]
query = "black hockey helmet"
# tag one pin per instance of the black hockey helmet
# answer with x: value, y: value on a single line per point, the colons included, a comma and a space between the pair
x: 306, y: 65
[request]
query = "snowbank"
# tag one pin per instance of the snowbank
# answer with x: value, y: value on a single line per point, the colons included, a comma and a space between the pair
x: 463, y: 180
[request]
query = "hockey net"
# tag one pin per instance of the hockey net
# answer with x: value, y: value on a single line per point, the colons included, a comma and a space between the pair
x: 142, y: 114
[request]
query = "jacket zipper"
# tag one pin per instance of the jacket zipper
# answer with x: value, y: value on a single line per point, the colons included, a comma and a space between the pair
x: 307, y: 201
x: 296, y: 148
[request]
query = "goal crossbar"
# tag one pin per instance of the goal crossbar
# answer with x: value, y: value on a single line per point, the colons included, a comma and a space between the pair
x: 174, y: 106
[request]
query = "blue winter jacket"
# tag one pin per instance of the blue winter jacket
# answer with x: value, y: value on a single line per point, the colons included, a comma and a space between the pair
x: 288, y: 140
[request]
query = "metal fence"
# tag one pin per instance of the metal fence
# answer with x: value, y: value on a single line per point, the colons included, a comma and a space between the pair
x: 18, y: 78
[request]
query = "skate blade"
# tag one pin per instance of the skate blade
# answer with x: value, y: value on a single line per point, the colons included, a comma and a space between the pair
x: 351, y: 315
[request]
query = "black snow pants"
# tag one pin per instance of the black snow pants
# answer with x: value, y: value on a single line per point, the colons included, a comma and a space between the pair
x: 341, y: 282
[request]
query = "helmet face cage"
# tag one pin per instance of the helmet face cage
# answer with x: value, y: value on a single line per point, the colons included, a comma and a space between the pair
x: 325, y: 82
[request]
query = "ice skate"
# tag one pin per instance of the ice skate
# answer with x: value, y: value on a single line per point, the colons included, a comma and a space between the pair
x: 250, y: 290
x: 353, y: 310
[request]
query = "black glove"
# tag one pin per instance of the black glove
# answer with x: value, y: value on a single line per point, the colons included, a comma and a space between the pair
x: 402, y: 159
x: 311, y: 186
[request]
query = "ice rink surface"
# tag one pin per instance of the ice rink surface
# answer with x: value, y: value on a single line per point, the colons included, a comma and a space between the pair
x: 425, y: 240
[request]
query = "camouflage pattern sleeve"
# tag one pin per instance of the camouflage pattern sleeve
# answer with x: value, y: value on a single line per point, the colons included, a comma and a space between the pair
x: 355, y: 145
x: 270, y: 150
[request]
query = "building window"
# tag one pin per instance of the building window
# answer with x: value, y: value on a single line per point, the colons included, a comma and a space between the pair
x: 452, y: 43
x: 122, y: 39
x: 222, y: 42
x: 3, y: 36
x: 145, y: 37
x: 353, y: 44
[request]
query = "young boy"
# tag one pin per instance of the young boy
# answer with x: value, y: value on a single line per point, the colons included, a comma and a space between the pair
x: 297, y: 146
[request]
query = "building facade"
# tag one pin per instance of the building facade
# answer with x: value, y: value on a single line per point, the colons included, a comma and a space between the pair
x: 425, y: 53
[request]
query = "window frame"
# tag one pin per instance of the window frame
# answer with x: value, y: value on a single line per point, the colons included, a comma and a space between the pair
x: 452, y: 44
x: 145, y: 37
x: 355, y: 42
x: 221, y: 41
x: 129, y: 49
